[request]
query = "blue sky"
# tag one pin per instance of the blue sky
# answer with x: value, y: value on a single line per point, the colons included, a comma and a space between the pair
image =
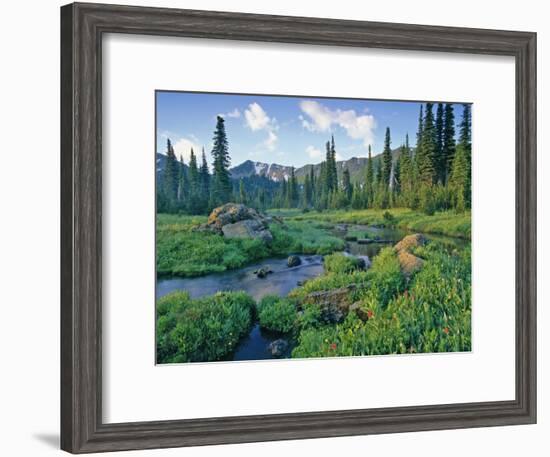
x: 283, y: 130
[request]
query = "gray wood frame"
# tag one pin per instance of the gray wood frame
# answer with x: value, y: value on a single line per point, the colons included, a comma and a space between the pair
x: 82, y: 28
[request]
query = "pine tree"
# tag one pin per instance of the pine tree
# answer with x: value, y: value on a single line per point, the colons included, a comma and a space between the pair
x: 448, y: 140
x: 194, y: 182
x: 459, y: 179
x: 292, y: 189
x: 204, y: 176
x: 312, y: 182
x: 182, y: 192
x: 346, y: 184
x: 420, y: 129
x: 465, y: 143
x: 307, y: 191
x: 171, y: 175
x: 192, y: 190
x: 426, y: 155
x: 405, y: 172
x: 221, y: 183
x: 386, y: 159
x: 333, y: 172
x: 369, y: 180
x: 440, y: 160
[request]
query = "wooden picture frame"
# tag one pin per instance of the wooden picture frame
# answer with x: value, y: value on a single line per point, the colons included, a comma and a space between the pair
x: 82, y: 29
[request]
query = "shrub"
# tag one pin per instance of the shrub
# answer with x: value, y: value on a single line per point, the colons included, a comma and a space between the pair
x: 389, y: 218
x: 276, y: 313
x: 340, y: 263
x: 432, y: 315
x: 203, y: 329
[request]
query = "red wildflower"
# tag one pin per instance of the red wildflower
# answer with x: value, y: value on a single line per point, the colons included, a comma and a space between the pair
x: 446, y: 330
x: 333, y: 346
x: 370, y: 314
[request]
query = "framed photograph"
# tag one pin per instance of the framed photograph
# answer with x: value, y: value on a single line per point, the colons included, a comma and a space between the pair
x: 284, y: 227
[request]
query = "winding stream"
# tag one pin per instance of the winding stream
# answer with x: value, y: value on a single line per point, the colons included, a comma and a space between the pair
x: 280, y: 282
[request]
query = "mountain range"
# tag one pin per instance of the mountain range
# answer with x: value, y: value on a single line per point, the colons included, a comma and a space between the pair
x: 277, y: 172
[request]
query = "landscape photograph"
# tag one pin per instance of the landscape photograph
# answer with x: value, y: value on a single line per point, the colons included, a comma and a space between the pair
x: 292, y: 227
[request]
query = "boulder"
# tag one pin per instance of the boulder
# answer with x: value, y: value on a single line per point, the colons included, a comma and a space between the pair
x: 410, y: 241
x: 410, y: 263
x: 250, y: 228
x: 293, y: 261
x: 278, y: 347
x: 263, y: 272
x: 334, y: 304
x: 234, y: 220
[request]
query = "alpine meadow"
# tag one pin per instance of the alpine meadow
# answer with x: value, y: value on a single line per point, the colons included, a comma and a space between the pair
x: 297, y: 227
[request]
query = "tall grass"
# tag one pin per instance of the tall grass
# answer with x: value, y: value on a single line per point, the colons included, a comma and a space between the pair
x: 183, y: 251
x: 431, y: 313
x: 201, y: 330
x: 447, y: 223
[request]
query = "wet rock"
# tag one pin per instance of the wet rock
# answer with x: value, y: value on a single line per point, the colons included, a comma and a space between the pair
x: 411, y: 241
x: 263, y: 272
x: 293, y: 261
x: 278, y: 347
x: 410, y: 263
x: 334, y: 304
x: 234, y: 220
x: 365, y: 241
x: 250, y: 228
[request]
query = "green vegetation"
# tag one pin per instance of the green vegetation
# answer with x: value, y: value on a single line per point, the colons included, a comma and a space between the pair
x: 201, y: 330
x: 340, y: 263
x: 432, y: 313
x: 304, y: 238
x: 276, y: 313
x: 447, y: 223
x: 184, y: 251
x: 434, y: 175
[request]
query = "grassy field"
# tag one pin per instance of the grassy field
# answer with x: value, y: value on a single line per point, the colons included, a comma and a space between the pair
x: 446, y: 223
x: 429, y: 311
x: 183, y: 251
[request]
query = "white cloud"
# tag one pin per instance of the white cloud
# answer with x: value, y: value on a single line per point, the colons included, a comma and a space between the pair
x: 235, y: 114
x: 258, y: 120
x: 321, y: 118
x: 182, y: 147
x: 256, y: 117
x: 271, y: 141
x: 314, y: 152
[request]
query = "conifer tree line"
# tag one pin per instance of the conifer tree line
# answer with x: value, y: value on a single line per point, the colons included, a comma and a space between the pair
x: 434, y: 175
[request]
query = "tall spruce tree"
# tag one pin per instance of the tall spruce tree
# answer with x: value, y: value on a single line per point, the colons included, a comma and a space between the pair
x: 221, y: 182
x: 426, y: 155
x: 369, y: 180
x: 346, y: 184
x: 465, y: 142
x: 440, y: 160
x: 170, y: 178
x: 333, y: 172
x: 448, y: 140
x: 386, y: 159
x: 204, y: 177
x: 194, y: 182
x: 405, y: 170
